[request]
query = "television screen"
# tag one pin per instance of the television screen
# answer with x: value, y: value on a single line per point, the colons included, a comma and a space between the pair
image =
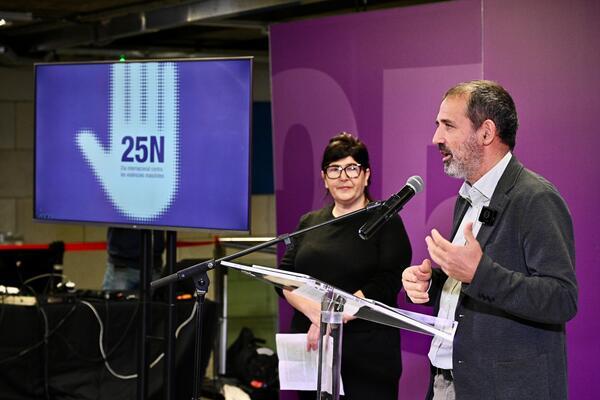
x: 148, y: 143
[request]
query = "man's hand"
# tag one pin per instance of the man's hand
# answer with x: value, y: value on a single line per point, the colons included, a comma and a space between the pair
x: 458, y: 262
x: 415, y: 280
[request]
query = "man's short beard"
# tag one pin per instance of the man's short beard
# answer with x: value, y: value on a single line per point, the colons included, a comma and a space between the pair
x: 452, y: 169
x: 469, y: 161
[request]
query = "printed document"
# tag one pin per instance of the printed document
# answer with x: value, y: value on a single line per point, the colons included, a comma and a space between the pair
x: 298, y: 367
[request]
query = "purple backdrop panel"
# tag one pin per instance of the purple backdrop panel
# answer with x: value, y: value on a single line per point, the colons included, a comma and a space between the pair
x: 387, y: 70
x: 332, y: 74
x: 411, y: 101
x: 314, y: 109
x: 338, y: 63
x: 548, y: 60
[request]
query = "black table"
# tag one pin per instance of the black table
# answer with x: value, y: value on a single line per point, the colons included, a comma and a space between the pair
x: 67, y: 363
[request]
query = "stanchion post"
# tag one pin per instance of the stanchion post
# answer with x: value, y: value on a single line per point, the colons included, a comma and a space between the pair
x: 330, y: 357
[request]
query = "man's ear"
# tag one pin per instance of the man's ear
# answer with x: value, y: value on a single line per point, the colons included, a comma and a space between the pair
x: 489, y: 132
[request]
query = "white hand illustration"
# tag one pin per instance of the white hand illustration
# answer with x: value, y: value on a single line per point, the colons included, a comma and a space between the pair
x: 138, y: 169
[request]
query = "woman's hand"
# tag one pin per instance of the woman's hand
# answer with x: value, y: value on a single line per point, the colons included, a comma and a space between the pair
x: 312, y: 338
x: 311, y: 309
x: 348, y: 317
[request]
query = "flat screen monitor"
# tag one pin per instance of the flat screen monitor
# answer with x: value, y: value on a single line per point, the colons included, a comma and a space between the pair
x: 160, y: 143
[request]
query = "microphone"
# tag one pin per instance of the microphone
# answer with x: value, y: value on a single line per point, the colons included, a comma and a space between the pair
x: 414, y: 185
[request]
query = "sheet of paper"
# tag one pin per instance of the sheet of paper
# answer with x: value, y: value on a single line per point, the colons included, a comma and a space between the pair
x: 298, y: 367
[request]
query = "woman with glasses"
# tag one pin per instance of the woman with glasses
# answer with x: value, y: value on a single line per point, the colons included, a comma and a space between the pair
x: 335, y: 254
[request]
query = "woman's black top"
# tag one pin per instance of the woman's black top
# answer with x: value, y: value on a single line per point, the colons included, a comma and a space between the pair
x: 335, y: 254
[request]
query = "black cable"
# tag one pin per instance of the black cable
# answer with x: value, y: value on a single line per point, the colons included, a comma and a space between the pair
x: 45, y: 323
x: 21, y: 353
x: 44, y: 341
x: 45, y: 353
x: 125, y: 332
x: 54, y: 330
x: 46, y: 330
x: 41, y: 342
x: 112, y: 350
x: 91, y: 360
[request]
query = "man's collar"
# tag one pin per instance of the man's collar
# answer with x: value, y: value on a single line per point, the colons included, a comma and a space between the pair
x: 482, y: 190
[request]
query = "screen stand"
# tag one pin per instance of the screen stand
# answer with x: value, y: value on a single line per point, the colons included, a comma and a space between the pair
x: 144, y: 294
x: 330, y: 357
x: 171, y: 326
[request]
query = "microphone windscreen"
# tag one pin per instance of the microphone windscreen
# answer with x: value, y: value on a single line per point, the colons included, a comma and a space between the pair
x: 416, y: 183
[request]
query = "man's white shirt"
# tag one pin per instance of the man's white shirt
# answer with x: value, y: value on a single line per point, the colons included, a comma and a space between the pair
x: 478, y: 196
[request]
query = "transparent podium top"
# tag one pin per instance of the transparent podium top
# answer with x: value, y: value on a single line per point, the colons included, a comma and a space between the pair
x: 314, y: 289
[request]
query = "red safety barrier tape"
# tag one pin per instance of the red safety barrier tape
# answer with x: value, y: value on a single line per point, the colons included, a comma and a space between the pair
x: 93, y: 246
x: 23, y: 246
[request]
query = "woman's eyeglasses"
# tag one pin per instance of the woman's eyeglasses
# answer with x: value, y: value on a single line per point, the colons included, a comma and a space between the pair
x: 335, y: 171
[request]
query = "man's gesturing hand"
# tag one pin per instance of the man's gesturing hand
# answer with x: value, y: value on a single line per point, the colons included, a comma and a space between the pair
x: 415, y: 280
x: 458, y: 262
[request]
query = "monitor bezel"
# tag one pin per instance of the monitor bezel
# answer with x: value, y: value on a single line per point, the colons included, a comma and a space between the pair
x: 138, y: 225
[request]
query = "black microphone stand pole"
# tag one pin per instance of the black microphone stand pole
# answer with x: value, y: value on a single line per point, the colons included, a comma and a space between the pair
x: 198, y: 273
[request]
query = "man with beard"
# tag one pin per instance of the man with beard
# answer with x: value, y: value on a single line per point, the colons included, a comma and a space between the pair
x: 507, y: 275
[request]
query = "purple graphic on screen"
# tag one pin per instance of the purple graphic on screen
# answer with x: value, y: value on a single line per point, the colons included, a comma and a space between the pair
x: 183, y: 150
x: 138, y: 171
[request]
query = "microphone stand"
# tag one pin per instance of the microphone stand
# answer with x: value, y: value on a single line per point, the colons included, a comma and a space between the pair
x: 198, y: 273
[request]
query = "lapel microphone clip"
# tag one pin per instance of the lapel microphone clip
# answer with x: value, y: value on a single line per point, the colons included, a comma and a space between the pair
x: 487, y: 216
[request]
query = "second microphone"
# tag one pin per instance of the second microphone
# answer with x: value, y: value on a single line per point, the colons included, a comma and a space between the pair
x: 414, y: 185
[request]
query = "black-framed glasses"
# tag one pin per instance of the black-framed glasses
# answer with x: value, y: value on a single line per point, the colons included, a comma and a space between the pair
x: 335, y: 171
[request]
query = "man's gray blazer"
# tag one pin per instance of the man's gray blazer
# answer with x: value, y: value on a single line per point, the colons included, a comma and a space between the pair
x: 510, y: 340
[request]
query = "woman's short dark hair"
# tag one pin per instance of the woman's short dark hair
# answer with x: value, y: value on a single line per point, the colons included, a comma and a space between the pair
x: 345, y: 145
x: 489, y: 100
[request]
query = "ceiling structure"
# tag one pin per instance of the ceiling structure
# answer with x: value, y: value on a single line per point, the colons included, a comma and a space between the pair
x: 79, y: 30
